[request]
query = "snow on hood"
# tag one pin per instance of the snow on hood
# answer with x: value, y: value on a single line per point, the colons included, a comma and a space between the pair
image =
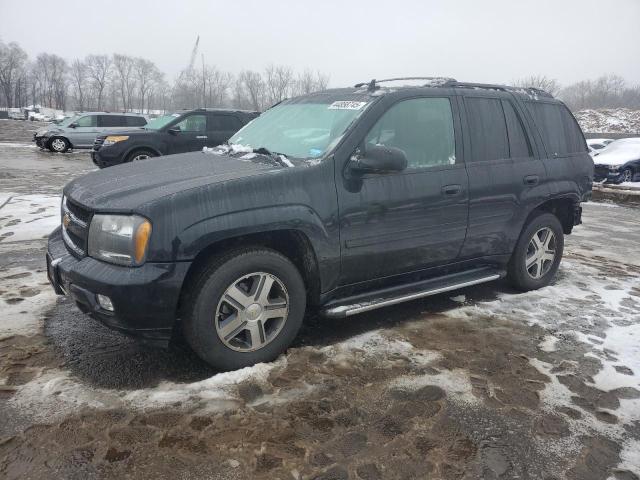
x: 619, y: 152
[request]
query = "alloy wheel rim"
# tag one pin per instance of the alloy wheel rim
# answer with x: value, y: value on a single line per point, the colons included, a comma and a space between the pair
x: 142, y: 156
x: 58, y: 145
x: 541, y: 252
x: 627, y: 176
x: 252, y: 312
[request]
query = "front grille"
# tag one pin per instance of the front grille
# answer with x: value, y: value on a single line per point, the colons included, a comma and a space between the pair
x: 75, y: 227
x: 97, y: 144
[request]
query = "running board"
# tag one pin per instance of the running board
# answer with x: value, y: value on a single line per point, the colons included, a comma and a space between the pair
x: 383, y: 298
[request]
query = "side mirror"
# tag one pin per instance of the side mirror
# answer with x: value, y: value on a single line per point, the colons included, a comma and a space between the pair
x: 379, y: 159
x: 174, y: 130
x: 73, y: 125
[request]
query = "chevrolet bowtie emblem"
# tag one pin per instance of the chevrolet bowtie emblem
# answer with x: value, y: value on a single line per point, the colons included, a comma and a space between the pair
x: 66, y: 220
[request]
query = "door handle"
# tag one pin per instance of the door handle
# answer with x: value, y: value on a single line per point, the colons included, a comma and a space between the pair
x: 531, y: 180
x: 451, y: 190
x: 201, y: 136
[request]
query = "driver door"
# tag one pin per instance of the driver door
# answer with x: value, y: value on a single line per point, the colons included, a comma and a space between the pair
x: 85, y: 131
x: 395, y: 223
x: 191, y: 135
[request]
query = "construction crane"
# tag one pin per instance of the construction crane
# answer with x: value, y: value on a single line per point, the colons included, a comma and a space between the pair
x: 194, y: 52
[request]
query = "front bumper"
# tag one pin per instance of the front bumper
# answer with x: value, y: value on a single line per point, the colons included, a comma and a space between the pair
x: 145, y: 299
x: 603, y: 174
x: 41, y: 141
x: 104, y: 157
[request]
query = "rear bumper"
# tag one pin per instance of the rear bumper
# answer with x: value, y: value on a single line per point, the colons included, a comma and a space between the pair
x: 145, y: 299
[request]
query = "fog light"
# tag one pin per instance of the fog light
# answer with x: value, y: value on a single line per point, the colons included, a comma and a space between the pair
x: 105, y: 302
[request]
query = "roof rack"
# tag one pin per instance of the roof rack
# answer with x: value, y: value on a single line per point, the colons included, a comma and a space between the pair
x: 490, y: 86
x: 432, y: 81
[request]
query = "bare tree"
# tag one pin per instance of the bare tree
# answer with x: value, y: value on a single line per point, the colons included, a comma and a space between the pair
x: 124, y: 67
x: 253, y: 87
x: 12, y: 66
x: 79, y: 82
x: 146, y: 74
x: 98, y: 70
x: 608, y: 91
x: 279, y: 80
x: 550, y: 85
x: 307, y: 82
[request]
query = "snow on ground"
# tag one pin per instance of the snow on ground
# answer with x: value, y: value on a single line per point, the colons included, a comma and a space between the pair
x: 27, y: 217
x: 609, y: 120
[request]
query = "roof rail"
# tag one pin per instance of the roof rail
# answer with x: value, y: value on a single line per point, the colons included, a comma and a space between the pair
x: 373, y: 84
x: 490, y: 86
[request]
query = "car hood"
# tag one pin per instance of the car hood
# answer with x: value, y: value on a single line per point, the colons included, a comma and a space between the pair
x: 50, y: 129
x: 618, y: 154
x: 129, y: 186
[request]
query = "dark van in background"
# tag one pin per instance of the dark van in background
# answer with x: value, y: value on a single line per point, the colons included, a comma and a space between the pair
x: 342, y: 201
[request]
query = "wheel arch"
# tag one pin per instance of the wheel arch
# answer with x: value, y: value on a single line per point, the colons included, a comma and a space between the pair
x: 292, y: 243
x: 141, y: 147
x: 562, y: 207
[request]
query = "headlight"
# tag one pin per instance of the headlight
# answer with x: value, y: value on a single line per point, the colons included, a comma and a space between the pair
x: 111, y: 139
x: 614, y: 168
x: 120, y: 239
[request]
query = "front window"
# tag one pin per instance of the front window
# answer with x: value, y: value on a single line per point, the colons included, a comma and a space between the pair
x: 160, y: 122
x: 86, y: 121
x: 193, y: 123
x: 305, y: 127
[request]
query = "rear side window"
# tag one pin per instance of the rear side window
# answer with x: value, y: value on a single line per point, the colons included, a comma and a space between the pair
x: 223, y: 122
x: 560, y: 132
x: 422, y: 128
x: 111, y: 121
x: 519, y: 146
x: 487, y: 129
x: 135, y: 121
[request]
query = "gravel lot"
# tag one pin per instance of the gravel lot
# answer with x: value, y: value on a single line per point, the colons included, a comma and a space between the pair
x: 480, y: 383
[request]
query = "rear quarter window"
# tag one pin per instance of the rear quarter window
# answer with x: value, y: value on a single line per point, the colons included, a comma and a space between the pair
x: 560, y: 131
x: 136, y: 121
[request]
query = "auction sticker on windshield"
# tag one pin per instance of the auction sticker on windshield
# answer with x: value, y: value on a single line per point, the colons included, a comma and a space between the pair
x: 346, y: 105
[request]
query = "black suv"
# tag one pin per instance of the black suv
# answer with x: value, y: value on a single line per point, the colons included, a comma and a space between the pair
x: 180, y: 132
x: 342, y: 201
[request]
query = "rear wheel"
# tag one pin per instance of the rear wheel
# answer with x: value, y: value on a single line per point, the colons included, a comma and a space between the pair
x: 59, y: 144
x: 536, y: 258
x: 245, y: 307
x: 140, y: 155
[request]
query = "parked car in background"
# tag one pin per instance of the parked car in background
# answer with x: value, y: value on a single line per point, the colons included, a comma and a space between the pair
x: 619, y: 162
x: 598, y: 143
x: 184, y: 131
x: 81, y: 130
x: 342, y: 201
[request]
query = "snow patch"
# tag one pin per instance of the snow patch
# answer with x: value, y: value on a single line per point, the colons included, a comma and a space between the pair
x: 27, y: 217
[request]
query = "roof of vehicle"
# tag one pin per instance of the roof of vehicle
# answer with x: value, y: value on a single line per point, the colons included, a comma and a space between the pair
x: 375, y: 88
x: 598, y: 140
x: 109, y: 113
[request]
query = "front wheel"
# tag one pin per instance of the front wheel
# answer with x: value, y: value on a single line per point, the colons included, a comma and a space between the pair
x: 627, y: 175
x: 536, y: 258
x: 140, y: 155
x: 245, y: 307
x: 59, y: 144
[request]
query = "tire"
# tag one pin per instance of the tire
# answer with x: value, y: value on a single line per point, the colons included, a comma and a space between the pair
x: 140, y: 155
x: 219, y: 320
x: 531, y: 265
x: 626, y: 176
x: 59, y: 145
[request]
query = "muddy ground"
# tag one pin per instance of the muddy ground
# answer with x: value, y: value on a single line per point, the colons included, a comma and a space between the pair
x: 481, y: 383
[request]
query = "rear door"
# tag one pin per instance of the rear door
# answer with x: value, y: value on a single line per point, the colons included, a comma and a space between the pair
x: 191, y: 135
x: 395, y: 223
x: 505, y: 176
x: 220, y: 127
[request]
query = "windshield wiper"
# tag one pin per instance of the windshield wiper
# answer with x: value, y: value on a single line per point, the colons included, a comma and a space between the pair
x: 281, y: 158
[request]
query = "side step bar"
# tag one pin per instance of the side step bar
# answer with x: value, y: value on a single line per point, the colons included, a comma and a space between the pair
x: 383, y: 298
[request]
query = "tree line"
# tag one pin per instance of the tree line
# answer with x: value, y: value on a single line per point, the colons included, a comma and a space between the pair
x: 121, y: 82
x: 124, y: 83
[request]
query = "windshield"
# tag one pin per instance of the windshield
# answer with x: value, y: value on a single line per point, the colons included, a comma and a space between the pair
x: 158, y: 123
x: 68, y: 121
x: 305, y: 127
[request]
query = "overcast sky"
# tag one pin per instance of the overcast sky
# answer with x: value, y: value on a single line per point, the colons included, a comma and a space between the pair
x: 352, y: 41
